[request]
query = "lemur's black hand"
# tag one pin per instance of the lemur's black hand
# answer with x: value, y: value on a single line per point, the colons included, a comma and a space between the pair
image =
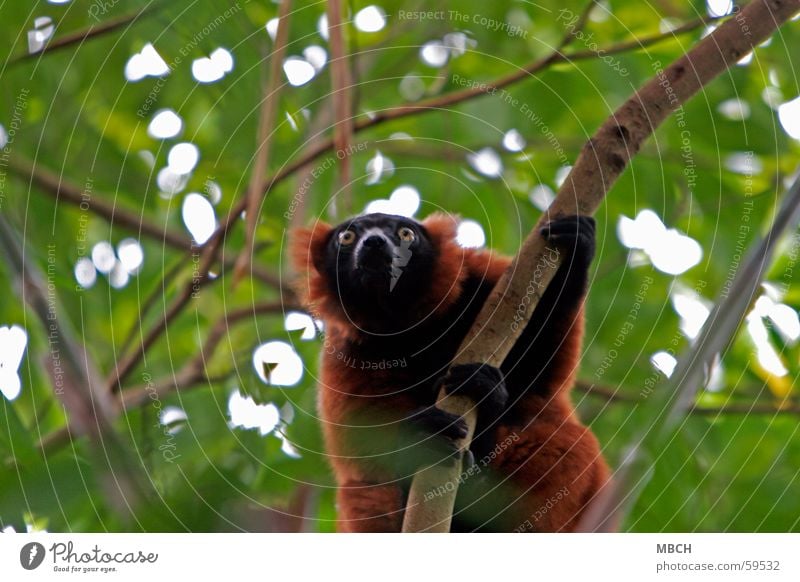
x: 482, y: 383
x: 574, y: 236
x: 430, y: 436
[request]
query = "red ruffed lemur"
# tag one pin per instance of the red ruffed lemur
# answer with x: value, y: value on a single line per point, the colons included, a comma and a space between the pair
x: 397, y: 297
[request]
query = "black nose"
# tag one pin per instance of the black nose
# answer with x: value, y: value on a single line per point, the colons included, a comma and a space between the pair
x: 374, y: 242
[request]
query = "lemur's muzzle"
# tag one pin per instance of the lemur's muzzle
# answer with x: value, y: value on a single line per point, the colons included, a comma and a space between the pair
x: 374, y: 253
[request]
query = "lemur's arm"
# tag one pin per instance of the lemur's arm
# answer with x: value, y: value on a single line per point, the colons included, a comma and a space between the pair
x: 544, y: 358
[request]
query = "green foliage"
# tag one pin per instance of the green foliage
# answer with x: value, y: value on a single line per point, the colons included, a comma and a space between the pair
x: 82, y: 120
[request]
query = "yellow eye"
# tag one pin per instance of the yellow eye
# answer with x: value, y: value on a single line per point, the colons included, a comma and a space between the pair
x: 406, y: 234
x: 347, y: 237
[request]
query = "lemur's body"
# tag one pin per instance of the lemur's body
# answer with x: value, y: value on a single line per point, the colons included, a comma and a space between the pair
x: 391, y: 335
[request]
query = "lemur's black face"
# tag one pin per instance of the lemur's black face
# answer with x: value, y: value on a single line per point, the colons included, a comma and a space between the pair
x: 378, y: 258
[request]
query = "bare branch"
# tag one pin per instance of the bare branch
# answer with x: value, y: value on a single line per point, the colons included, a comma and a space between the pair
x: 607, y: 393
x: 189, y: 376
x: 644, y: 42
x: 76, y: 380
x: 341, y: 85
x: 194, y: 373
x: 305, y: 176
x: 89, y: 33
x: 127, y: 364
x: 742, y: 408
x: 579, y: 25
x: 266, y: 131
x: 668, y: 407
x: 532, y: 68
x: 611, y: 394
x: 95, y: 202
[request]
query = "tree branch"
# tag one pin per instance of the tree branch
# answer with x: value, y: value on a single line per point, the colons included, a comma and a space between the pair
x: 647, y: 41
x: 95, y: 202
x: 76, y: 380
x: 449, y: 99
x: 599, y: 164
x: 192, y: 374
x: 266, y: 131
x: 579, y: 25
x: 610, y: 394
x: 532, y: 68
x: 746, y: 409
x: 665, y: 410
x: 89, y: 33
x: 127, y: 364
x: 341, y: 84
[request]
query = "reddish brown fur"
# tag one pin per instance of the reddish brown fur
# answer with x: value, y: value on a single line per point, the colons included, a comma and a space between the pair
x: 552, y: 451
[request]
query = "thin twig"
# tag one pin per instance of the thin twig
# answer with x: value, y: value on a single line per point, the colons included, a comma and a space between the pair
x: 75, y: 379
x: 265, y: 134
x: 647, y: 41
x: 91, y: 200
x: 126, y: 365
x: 95, y: 202
x: 149, y: 302
x: 340, y: 83
x: 606, y: 392
x: 91, y: 32
x: 610, y: 394
x: 305, y: 174
x: 532, y: 68
x: 742, y: 408
x: 193, y: 373
x: 668, y: 407
x: 189, y: 376
x: 573, y: 29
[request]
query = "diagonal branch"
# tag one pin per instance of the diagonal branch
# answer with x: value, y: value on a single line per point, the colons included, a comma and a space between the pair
x: 668, y: 407
x: 341, y: 84
x: 573, y: 29
x: 611, y: 394
x: 266, y: 132
x: 127, y: 364
x: 91, y: 32
x: 532, y: 68
x: 601, y: 161
x: 192, y: 373
x: 95, y: 202
x: 76, y: 380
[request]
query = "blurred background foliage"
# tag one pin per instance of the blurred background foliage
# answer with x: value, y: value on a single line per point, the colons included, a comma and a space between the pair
x: 233, y: 453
